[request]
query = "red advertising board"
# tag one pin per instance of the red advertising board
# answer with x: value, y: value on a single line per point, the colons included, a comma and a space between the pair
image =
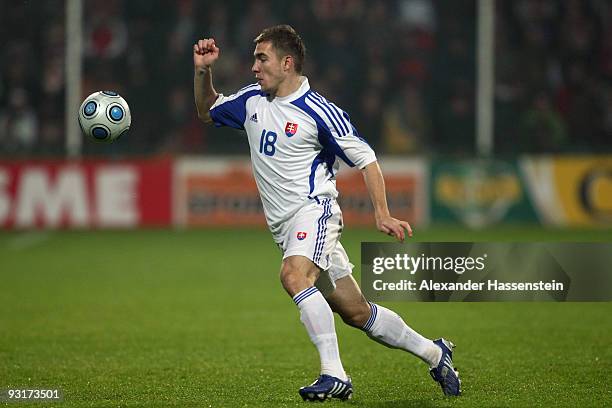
x: 83, y: 194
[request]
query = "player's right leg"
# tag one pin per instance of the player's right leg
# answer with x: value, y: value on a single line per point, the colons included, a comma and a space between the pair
x: 306, y: 242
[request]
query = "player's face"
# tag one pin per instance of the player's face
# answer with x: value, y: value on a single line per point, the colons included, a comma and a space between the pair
x: 268, y: 67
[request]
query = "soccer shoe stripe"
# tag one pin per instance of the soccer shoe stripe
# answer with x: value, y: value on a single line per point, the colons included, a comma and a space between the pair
x: 333, y: 389
x: 327, y: 113
x: 340, y: 389
x: 372, y: 318
x: 345, y: 388
x: 304, y: 294
x: 324, y: 232
x: 333, y: 110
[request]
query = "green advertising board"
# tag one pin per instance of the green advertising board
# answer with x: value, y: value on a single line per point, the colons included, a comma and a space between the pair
x: 479, y: 193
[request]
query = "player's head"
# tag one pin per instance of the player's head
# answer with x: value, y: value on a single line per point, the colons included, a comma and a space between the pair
x: 279, y: 53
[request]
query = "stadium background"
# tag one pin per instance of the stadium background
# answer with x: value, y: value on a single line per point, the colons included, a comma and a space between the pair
x: 127, y: 271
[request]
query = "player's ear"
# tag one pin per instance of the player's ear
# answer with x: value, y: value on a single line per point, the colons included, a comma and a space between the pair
x: 288, y: 62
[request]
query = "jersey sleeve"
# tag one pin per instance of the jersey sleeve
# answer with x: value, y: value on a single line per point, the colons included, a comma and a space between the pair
x: 231, y: 110
x: 337, y: 133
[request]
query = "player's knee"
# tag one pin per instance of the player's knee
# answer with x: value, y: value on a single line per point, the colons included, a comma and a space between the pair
x: 293, y: 279
x: 288, y: 277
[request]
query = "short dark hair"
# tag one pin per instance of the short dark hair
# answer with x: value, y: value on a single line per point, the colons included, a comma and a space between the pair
x: 287, y: 41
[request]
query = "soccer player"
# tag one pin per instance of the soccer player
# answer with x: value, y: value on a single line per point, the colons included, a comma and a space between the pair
x: 296, y: 137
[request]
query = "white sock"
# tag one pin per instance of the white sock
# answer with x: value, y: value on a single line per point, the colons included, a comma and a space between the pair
x: 318, y: 319
x: 388, y: 328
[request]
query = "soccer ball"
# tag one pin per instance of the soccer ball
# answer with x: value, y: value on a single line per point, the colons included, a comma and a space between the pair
x: 104, y: 116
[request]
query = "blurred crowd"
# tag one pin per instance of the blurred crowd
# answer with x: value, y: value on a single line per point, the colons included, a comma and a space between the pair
x: 404, y: 70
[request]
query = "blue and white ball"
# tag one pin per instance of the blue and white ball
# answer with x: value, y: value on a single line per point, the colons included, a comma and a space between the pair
x: 104, y: 116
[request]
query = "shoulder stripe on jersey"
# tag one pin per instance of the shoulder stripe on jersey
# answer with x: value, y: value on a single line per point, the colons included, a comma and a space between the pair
x: 232, y: 112
x: 247, y: 87
x: 327, y: 113
x: 334, y: 109
x: 343, y: 116
x: 325, y: 135
x: 241, y: 92
x: 339, y: 112
x: 324, y: 104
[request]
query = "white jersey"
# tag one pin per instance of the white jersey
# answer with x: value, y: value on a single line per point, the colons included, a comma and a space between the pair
x: 294, y: 142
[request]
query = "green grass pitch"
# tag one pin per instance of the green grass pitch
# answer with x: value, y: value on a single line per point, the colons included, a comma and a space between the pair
x: 197, y: 318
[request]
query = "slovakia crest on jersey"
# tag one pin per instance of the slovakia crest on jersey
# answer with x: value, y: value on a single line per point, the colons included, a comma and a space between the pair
x: 301, y: 235
x: 290, y: 129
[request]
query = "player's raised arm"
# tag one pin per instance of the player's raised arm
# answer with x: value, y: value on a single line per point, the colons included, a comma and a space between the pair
x: 205, y: 53
x: 384, y: 221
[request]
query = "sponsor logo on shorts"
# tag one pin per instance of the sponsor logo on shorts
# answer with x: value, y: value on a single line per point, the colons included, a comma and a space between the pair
x: 301, y: 235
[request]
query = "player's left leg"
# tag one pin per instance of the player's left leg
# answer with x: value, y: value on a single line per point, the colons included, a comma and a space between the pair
x: 379, y: 323
x: 387, y: 327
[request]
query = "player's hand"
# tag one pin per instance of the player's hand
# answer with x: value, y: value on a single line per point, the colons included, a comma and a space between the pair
x: 205, y: 53
x: 394, y: 227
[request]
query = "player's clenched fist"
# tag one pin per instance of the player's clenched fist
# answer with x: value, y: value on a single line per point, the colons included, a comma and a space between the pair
x: 205, y: 53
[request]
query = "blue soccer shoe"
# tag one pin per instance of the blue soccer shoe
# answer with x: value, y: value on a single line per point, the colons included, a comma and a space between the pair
x: 445, y: 374
x: 326, y: 387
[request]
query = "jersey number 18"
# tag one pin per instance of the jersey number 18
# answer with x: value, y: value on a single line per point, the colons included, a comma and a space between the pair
x: 266, y: 143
